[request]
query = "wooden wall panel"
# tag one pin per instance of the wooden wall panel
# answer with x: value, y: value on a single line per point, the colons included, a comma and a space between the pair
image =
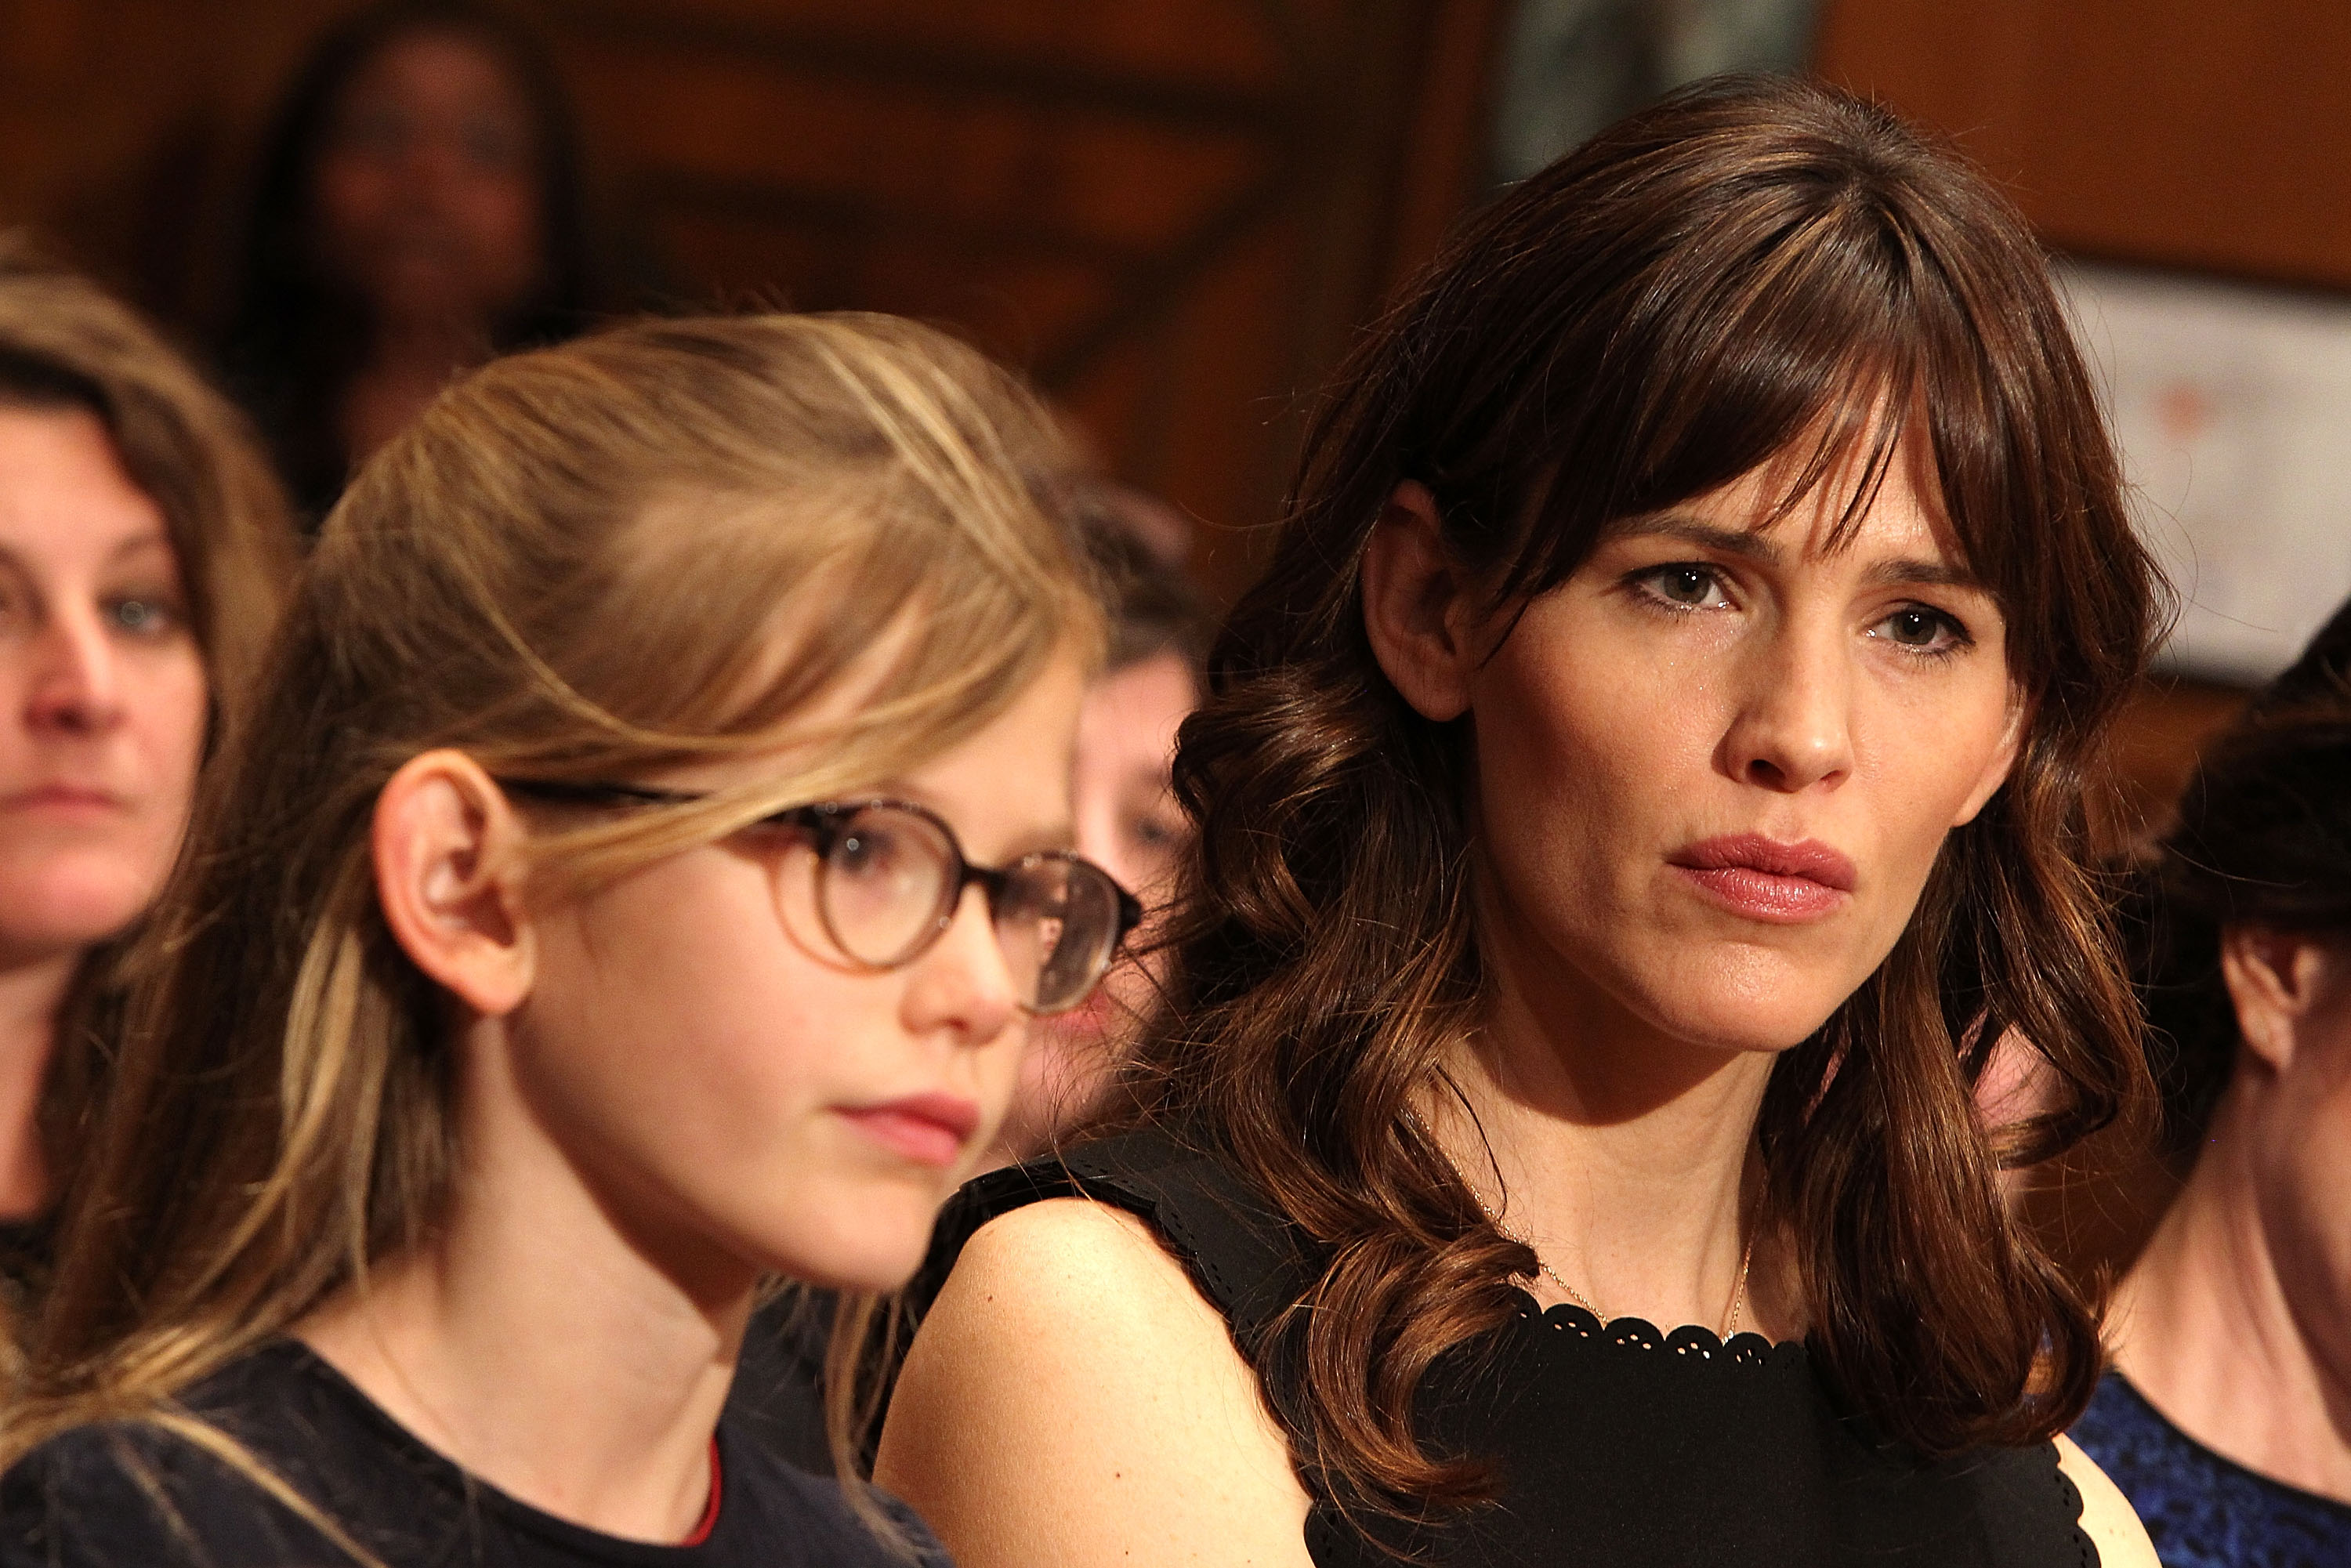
x: 1173, y: 213
x: 2169, y: 131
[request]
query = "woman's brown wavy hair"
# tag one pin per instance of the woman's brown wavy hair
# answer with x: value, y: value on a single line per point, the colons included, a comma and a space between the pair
x: 1742, y: 273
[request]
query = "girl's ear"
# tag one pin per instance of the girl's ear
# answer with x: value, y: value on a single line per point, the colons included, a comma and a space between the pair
x: 1415, y: 608
x: 448, y: 873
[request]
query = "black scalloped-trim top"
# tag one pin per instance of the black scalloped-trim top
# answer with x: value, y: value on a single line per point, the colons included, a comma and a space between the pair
x: 1618, y: 1446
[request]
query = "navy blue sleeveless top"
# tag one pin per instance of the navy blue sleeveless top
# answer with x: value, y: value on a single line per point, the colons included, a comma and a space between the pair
x: 2202, y: 1511
x: 1617, y: 1445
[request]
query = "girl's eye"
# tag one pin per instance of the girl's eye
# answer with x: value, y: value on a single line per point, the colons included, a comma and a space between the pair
x: 872, y: 851
x: 1685, y: 585
x: 1923, y: 630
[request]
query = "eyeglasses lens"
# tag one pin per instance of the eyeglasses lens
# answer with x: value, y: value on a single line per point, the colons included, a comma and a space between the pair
x: 1056, y: 923
x: 888, y: 887
x: 885, y: 885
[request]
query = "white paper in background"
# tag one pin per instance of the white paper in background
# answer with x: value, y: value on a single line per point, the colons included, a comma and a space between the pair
x: 2232, y: 406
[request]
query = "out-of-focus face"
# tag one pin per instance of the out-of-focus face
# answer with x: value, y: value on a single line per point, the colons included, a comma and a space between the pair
x: 1714, y: 766
x: 728, y: 1082
x: 1130, y: 825
x: 102, y: 684
x: 2303, y: 1156
x: 428, y: 187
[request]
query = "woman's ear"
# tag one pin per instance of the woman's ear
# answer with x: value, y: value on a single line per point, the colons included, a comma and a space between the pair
x: 2003, y: 760
x: 1416, y: 607
x: 2273, y: 979
x: 448, y: 874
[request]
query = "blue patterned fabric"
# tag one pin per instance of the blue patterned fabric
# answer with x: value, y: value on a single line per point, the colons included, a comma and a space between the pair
x: 2202, y: 1511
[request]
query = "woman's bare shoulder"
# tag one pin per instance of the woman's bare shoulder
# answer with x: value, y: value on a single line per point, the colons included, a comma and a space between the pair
x: 1071, y: 1399
x: 2107, y: 1517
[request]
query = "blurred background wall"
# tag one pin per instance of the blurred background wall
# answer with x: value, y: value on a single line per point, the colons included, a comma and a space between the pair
x: 1175, y: 213
x: 1172, y: 212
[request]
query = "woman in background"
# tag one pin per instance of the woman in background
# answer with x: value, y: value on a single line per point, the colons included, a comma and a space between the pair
x: 1128, y: 821
x: 2227, y: 1419
x: 144, y: 549
x: 419, y: 208
x: 636, y: 882
x: 1645, y: 785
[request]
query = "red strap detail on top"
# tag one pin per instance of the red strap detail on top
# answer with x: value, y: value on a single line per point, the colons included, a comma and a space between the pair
x: 710, y: 1512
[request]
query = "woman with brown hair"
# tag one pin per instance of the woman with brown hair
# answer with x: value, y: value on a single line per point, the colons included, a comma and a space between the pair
x: 144, y: 549
x: 634, y: 884
x: 2223, y: 1419
x: 1647, y: 781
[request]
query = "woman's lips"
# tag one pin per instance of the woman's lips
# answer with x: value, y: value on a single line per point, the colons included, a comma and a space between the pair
x: 1764, y: 879
x: 929, y: 1129
x: 63, y: 799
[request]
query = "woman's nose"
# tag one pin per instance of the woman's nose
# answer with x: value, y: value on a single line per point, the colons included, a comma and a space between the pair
x: 962, y: 984
x: 76, y: 685
x: 1793, y: 728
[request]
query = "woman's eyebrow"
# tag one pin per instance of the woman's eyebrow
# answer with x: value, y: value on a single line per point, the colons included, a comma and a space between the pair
x: 1730, y: 542
x: 1909, y: 571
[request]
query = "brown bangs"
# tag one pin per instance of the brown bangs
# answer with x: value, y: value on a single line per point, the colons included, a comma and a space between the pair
x: 1826, y: 298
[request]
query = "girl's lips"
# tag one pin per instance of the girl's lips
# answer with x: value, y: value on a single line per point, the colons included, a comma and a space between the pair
x: 1764, y: 879
x: 929, y: 1129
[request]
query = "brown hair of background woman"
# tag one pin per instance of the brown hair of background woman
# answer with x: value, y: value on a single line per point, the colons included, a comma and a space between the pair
x: 67, y: 347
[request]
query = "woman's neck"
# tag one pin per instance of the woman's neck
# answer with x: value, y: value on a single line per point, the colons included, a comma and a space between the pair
x: 2204, y: 1327
x: 408, y: 363
x: 534, y: 1341
x: 1624, y: 1159
x: 31, y: 994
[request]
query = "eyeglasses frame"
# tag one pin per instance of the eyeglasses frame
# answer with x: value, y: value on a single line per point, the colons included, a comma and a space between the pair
x: 824, y: 822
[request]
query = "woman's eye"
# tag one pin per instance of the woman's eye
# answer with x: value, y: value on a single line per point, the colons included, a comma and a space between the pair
x: 1685, y: 585
x: 140, y: 615
x: 1922, y: 630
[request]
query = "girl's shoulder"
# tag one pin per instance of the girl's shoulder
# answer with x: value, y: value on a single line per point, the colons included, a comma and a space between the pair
x: 276, y: 1460
x: 191, y: 1483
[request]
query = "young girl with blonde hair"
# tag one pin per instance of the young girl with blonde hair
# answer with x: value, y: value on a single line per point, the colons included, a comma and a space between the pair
x: 633, y: 887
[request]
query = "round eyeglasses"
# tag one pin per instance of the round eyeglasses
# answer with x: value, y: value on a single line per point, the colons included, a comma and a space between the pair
x: 890, y: 873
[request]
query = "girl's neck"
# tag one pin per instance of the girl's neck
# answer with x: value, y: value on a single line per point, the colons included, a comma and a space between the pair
x: 534, y: 1343
x: 2205, y: 1329
x: 1626, y: 1164
x: 31, y: 994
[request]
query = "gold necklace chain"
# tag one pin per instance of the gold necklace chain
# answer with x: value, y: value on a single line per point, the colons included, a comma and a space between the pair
x: 1730, y: 1314
x: 1737, y: 1289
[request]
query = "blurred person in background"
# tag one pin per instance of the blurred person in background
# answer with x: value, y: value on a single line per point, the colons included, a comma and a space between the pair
x: 1128, y: 821
x: 144, y: 549
x: 419, y: 208
x: 2227, y: 1418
